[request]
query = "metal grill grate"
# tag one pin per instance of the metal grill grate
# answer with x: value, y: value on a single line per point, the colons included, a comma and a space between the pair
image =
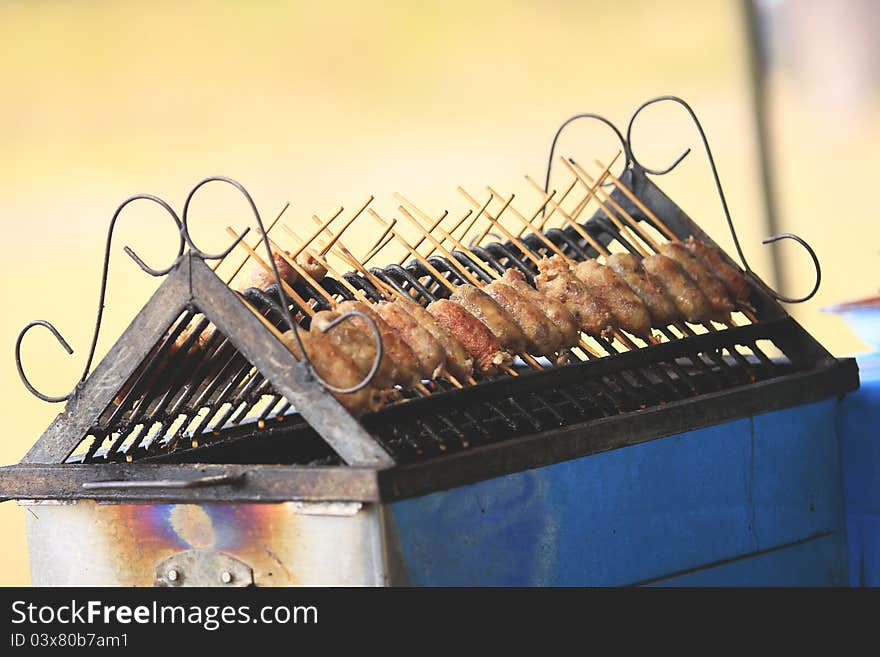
x: 186, y: 398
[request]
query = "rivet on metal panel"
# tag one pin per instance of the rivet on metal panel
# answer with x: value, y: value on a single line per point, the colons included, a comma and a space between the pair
x: 203, y: 567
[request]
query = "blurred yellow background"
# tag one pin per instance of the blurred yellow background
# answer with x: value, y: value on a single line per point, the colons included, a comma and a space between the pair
x: 322, y: 104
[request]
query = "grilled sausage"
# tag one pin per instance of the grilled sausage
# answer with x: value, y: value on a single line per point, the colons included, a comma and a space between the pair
x: 629, y: 268
x: 459, y: 362
x: 692, y: 304
x: 428, y: 351
x: 496, y: 319
x: 486, y: 350
x: 629, y: 311
x: 557, y: 281
x: 733, y: 278
x: 714, y: 289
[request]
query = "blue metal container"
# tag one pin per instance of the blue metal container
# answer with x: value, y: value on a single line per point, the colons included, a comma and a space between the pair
x: 859, y: 427
x: 756, y: 501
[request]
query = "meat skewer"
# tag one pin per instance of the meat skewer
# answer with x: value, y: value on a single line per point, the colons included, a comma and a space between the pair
x: 457, y: 363
x: 630, y: 313
x: 488, y: 353
x: 568, y: 318
x: 732, y: 278
x: 710, y: 285
x: 629, y: 268
x: 332, y: 365
x: 696, y: 276
x: 429, y: 353
x: 555, y: 311
x: 707, y: 256
x: 691, y: 303
x: 353, y: 339
x: 682, y: 327
x: 399, y: 364
x: 542, y: 336
x: 336, y: 369
x: 545, y: 337
x: 665, y: 229
x: 481, y: 305
x: 560, y: 255
x: 557, y: 281
x: 426, y: 338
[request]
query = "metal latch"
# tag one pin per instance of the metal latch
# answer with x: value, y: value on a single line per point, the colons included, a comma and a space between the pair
x: 203, y: 567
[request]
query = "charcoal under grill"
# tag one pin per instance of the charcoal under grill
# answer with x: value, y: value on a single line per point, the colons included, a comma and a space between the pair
x: 239, y: 423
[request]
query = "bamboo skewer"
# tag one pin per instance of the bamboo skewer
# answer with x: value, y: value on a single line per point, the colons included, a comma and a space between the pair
x: 463, y: 271
x: 628, y: 234
x: 574, y: 224
x: 284, y: 285
x: 349, y: 257
x: 641, y: 206
x: 531, y: 256
x: 383, y: 240
x: 541, y: 208
x: 491, y: 272
x: 318, y: 287
x: 580, y: 207
x: 377, y: 250
x: 324, y: 226
x: 681, y: 326
x: 457, y: 244
x: 476, y: 241
x: 388, y: 292
x: 663, y: 228
x: 247, y: 257
x: 467, y: 274
x: 375, y: 281
x: 434, y: 225
x: 326, y: 264
x: 314, y: 235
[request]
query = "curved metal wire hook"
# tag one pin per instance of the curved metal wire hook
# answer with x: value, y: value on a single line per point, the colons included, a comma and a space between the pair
x: 717, y: 179
x: 587, y: 115
x: 196, y: 250
x: 100, y: 313
x: 285, y: 310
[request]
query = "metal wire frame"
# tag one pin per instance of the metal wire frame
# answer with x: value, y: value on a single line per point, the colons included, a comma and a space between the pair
x: 632, y: 160
x: 185, y: 239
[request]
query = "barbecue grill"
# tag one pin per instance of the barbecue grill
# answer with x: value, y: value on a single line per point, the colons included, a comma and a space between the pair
x: 231, y: 464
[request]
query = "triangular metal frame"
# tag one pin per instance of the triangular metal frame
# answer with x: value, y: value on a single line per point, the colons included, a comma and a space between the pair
x: 192, y: 284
